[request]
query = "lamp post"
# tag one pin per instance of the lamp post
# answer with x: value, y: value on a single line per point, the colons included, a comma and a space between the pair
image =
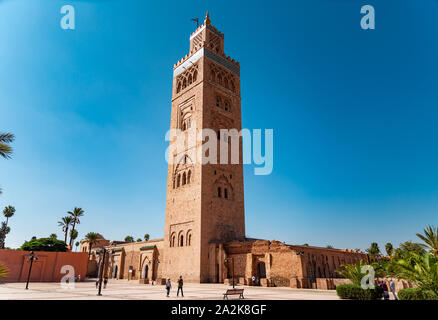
x: 102, y: 254
x: 232, y: 267
x: 32, y: 258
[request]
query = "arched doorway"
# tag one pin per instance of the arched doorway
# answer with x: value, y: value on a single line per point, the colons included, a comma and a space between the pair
x: 146, y: 272
x: 261, y: 270
x: 116, y: 268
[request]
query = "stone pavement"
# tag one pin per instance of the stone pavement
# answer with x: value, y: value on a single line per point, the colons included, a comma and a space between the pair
x: 132, y: 290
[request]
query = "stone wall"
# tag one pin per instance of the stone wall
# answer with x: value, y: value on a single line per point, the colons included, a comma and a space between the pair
x: 47, y: 268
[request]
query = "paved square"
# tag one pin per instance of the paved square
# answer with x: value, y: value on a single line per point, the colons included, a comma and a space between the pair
x: 132, y: 290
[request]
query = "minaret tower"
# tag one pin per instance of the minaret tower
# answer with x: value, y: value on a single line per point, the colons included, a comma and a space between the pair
x: 205, y: 205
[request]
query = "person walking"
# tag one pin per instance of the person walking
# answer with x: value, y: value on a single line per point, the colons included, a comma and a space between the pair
x: 392, y: 287
x: 253, y: 279
x: 385, y: 291
x: 105, y: 281
x: 97, y: 283
x: 180, y: 286
x: 168, y: 286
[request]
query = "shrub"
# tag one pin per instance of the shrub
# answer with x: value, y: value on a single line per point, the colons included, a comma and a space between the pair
x: 3, y: 272
x: 416, y: 294
x: 355, y: 292
x: 44, y: 244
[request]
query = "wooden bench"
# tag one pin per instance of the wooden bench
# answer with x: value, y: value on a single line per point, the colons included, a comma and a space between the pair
x: 234, y: 292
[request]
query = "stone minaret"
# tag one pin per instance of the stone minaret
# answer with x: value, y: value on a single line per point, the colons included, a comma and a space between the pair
x: 204, y: 206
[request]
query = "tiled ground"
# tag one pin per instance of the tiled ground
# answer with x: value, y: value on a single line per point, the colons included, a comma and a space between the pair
x: 124, y: 290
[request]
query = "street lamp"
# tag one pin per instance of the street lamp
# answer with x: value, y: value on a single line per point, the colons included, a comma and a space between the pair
x: 232, y: 267
x: 102, y: 254
x: 32, y: 258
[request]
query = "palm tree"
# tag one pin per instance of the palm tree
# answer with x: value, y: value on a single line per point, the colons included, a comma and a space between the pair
x: 5, y: 148
x: 146, y: 237
x: 7, y: 212
x: 389, y: 249
x: 421, y: 270
x: 91, y: 238
x: 65, y: 224
x: 430, y: 238
x: 76, y: 214
x: 374, y: 250
x: 73, y: 235
x: 53, y: 236
x: 3, y: 271
x: 129, y: 239
x: 353, y: 271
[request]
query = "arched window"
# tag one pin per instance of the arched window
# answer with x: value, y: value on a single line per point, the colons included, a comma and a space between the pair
x: 184, y: 179
x: 184, y: 83
x: 181, y: 241
x: 219, y: 79
x: 213, y: 75
x: 190, y: 79
x: 195, y: 75
x: 189, y: 239
x: 178, y: 181
x: 232, y: 87
x: 219, y: 192
x: 172, y: 240
x: 218, y: 102
x: 178, y: 89
x: 189, y: 177
x: 225, y: 193
x: 226, y: 83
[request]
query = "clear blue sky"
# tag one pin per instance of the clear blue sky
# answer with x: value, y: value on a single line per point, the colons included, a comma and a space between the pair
x: 354, y: 115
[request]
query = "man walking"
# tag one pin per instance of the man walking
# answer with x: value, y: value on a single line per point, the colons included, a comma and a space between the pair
x: 180, y: 287
x: 168, y: 286
x: 392, y: 287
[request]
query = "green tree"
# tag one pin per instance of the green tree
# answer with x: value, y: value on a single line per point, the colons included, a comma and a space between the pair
x: 77, y: 243
x: 305, y: 245
x: 3, y: 272
x: 353, y: 271
x: 389, y: 249
x: 75, y: 214
x: 4, y: 230
x: 53, y: 236
x: 430, y: 238
x: 91, y: 238
x: 421, y: 270
x: 65, y: 223
x: 374, y: 250
x: 129, y: 239
x: 5, y: 148
x: 330, y: 246
x: 8, y: 212
x: 405, y: 248
x: 139, y: 240
x: 146, y: 237
x: 44, y: 244
x: 73, y: 235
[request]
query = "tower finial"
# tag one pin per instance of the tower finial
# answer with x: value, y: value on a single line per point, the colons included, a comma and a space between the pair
x: 207, y: 18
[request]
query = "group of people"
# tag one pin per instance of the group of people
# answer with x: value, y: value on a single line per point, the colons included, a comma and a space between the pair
x: 384, y: 286
x: 180, y: 287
